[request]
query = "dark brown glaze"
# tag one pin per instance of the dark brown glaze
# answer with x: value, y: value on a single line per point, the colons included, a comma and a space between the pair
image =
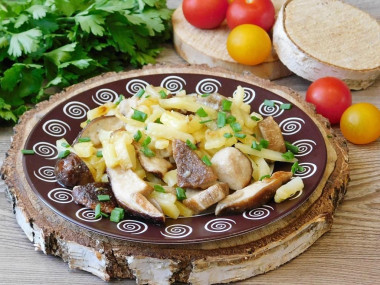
x: 272, y: 133
x: 87, y: 195
x: 72, y: 171
x: 191, y: 171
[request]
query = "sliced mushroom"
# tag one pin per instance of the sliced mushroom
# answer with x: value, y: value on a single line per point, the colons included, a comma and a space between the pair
x: 271, y: 131
x: 191, y: 171
x: 156, y: 165
x: 232, y: 167
x: 87, y: 195
x: 131, y: 193
x: 72, y: 171
x: 254, y: 195
x: 107, y: 123
x: 206, y: 198
x: 213, y: 100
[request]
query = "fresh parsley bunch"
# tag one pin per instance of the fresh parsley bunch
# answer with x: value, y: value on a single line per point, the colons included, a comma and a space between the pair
x: 48, y: 45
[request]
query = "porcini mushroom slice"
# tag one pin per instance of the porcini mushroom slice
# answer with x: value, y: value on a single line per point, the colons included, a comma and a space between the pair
x: 156, y: 165
x: 232, y: 167
x: 254, y: 195
x: 271, y: 131
x: 131, y: 193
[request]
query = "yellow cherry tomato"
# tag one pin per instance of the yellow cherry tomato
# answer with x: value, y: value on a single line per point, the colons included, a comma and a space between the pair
x: 360, y: 123
x: 249, y: 44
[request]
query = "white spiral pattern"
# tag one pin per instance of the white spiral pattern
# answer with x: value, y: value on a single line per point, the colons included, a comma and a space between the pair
x: 173, y: 83
x: 208, y: 85
x: 219, y: 225
x: 61, y: 195
x: 55, y: 128
x: 291, y: 126
x: 249, y: 95
x: 87, y: 215
x: 45, y: 149
x: 76, y: 110
x: 104, y: 95
x: 298, y: 194
x: 309, y: 170
x: 135, y: 85
x: 132, y: 227
x: 274, y: 111
x: 177, y: 231
x: 45, y: 173
x: 258, y: 213
x: 304, y: 147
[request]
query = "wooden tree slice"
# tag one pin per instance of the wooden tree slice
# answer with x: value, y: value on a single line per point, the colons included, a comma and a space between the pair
x: 231, y: 259
x: 322, y: 38
x: 199, y: 46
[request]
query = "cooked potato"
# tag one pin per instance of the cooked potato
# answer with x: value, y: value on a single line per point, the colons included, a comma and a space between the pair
x: 84, y: 149
x: 167, y: 203
x: 161, y: 131
x: 264, y: 153
x: 288, y: 190
x: 170, y: 177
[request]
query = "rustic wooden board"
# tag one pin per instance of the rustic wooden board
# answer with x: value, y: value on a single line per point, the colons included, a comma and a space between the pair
x: 242, y: 257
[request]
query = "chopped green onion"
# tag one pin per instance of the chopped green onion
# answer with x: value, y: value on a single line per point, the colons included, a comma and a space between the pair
x: 139, y: 116
x: 228, y: 135
x: 204, y: 122
x: 268, y: 103
x: 104, y: 215
x: 65, y: 144
x: 205, y: 95
x: 158, y: 121
x: 117, y: 215
x: 63, y: 154
x: 255, y: 118
x: 236, y: 127
x: 286, y: 106
x: 159, y: 188
x: 288, y: 155
x: 103, y: 198
x: 240, y: 136
x: 191, y: 145
x: 264, y: 143
x: 264, y: 176
x: 201, y: 112
x: 226, y: 105
x: 27, y: 151
x: 146, y: 141
x: 206, y: 160
x: 88, y: 121
x: 230, y: 119
x: 221, y: 121
x: 137, y: 136
x: 163, y: 94
x: 98, y: 213
x: 140, y: 93
x: 256, y: 146
x: 181, y: 193
x: 296, y: 167
x: 147, y: 151
x: 147, y: 96
x: 99, y: 153
x: 291, y: 147
x: 121, y: 98
x: 84, y: 139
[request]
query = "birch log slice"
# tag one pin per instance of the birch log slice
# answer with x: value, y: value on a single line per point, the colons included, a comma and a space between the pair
x: 318, y: 38
x: 199, y: 46
x: 231, y: 259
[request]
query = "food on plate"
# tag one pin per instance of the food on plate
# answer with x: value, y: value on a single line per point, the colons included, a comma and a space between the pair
x: 288, y: 190
x: 159, y: 155
x: 360, y: 123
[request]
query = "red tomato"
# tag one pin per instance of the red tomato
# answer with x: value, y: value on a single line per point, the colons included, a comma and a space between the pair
x: 256, y: 12
x: 205, y: 14
x: 331, y: 96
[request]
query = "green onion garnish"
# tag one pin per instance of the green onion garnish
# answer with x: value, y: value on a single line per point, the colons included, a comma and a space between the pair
x: 240, y: 136
x: 291, y: 147
x: 228, y: 135
x: 204, y: 122
x: 181, y: 193
x: 288, y: 155
x: 264, y: 176
x: 286, y: 106
x: 296, y: 167
x: 84, y: 139
x: 63, y: 154
x: 99, y: 153
x: 158, y: 121
x: 147, y: 96
x: 236, y: 127
x: 139, y: 116
x: 191, y: 145
x: 88, y: 121
x: 27, y: 151
x: 98, y: 213
x: 256, y: 146
x: 121, y: 98
x: 104, y: 215
x: 147, y: 151
x: 268, y: 103
x: 65, y: 144
x: 146, y: 141
x: 201, y: 112
x: 226, y: 105
x: 264, y: 143
x: 206, y: 160
x: 159, y: 188
x: 137, y: 136
x: 140, y: 93
x: 230, y: 119
x: 163, y: 94
x: 103, y: 198
x: 205, y: 95
x: 117, y: 215
x: 255, y: 118
x: 221, y: 121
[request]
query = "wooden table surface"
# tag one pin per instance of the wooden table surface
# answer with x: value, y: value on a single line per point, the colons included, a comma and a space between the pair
x: 348, y: 254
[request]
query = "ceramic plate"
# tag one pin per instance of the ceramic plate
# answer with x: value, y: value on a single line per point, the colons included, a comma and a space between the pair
x: 64, y: 121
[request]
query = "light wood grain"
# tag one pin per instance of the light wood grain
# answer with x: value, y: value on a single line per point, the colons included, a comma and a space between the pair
x: 348, y: 254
